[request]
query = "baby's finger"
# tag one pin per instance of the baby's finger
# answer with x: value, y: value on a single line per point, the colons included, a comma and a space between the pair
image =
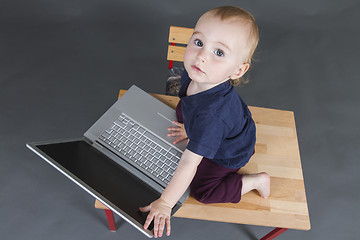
x: 145, y: 209
x: 174, y: 134
x: 177, y: 123
x: 149, y: 219
x: 174, y: 129
x: 180, y: 139
x: 168, y: 227
x: 156, y: 226
x: 161, y: 227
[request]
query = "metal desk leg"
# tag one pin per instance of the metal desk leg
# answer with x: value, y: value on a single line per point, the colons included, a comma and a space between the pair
x: 274, y: 233
x: 110, y: 219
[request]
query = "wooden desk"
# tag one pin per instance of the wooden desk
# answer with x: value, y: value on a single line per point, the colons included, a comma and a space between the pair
x: 277, y: 153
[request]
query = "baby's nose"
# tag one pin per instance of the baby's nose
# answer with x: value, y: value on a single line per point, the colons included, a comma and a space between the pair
x: 202, y: 56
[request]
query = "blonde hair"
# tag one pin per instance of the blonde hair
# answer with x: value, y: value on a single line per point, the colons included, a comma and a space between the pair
x: 227, y: 12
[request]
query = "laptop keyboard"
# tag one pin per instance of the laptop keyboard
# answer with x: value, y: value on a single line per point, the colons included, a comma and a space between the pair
x: 142, y: 148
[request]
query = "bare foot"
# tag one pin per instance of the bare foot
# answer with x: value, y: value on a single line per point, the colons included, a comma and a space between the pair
x: 259, y: 182
x: 263, y: 185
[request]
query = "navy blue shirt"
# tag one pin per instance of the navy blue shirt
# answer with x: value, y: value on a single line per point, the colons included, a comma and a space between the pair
x: 218, y: 123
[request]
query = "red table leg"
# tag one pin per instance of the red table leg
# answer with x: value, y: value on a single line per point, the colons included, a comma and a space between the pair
x: 110, y: 219
x: 171, y: 62
x: 274, y: 233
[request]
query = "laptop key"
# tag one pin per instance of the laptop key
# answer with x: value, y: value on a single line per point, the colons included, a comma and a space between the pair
x: 171, y: 171
x: 175, y: 159
x: 164, y: 174
x: 158, y: 171
x: 141, y: 130
x: 142, y: 160
x: 120, y: 124
x: 136, y: 127
x: 162, y: 159
x: 173, y: 166
x: 173, y: 151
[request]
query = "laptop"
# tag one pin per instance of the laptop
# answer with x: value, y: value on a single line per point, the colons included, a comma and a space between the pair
x: 125, y: 160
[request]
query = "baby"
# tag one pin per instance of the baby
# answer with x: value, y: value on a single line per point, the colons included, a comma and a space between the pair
x: 212, y: 117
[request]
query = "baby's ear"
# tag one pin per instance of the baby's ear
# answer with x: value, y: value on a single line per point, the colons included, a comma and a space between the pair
x: 240, y: 71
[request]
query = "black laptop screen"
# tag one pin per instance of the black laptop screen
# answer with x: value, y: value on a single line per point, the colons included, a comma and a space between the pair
x: 103, y: 175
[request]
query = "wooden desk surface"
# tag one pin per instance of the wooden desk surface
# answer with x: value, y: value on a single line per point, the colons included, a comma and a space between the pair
x: 277, y: 153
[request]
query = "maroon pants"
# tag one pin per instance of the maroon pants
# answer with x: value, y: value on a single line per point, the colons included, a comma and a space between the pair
x: 214, y: 183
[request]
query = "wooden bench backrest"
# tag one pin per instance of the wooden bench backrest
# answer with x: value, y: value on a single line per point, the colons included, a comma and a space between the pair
x: 178, y: 39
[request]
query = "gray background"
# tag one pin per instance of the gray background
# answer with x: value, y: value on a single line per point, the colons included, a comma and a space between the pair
x: 63, y: 62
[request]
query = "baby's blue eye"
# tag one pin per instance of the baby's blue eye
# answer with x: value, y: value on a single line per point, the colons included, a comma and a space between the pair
x: 219, y: 53
x: 198, y: 43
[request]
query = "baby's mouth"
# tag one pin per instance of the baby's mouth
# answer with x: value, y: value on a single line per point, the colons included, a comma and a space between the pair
x: 197, y: 69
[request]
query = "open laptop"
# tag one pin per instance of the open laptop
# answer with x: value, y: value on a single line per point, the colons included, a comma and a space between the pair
x: 125, y: 160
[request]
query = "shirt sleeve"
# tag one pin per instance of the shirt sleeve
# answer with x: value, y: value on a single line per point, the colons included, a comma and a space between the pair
x: 206, y: 135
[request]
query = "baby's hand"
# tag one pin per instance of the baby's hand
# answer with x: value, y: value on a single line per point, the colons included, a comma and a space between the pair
x: 178, y: 132
x: 160, y: 212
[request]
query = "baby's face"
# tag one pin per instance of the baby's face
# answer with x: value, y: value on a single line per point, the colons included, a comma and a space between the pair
x: 217, y: 50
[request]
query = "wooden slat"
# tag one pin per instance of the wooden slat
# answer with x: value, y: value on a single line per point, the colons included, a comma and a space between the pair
x: 99, y: 205
x: 176, y: 53
x: 180, y: 35
x: 276, y: 152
